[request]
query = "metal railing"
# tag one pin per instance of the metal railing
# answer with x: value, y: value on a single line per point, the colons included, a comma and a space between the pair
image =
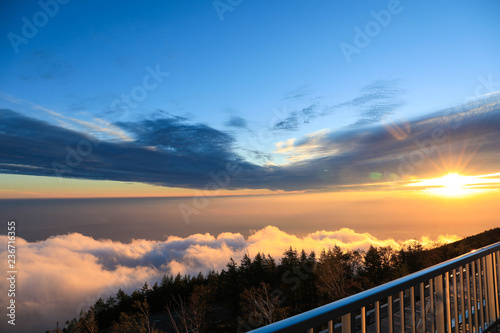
x: 458, y: 295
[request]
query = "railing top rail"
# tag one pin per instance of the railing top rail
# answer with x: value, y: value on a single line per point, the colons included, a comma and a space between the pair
x: 323, y: 314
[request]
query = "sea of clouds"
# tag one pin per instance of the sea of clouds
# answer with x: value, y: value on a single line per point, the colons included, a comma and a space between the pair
x: 62, y: 275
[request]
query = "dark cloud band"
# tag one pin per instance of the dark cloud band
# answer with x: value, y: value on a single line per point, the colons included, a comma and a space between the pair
x: 170, y: 152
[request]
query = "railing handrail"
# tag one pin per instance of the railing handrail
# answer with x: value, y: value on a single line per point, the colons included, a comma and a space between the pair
x: 323, y: 314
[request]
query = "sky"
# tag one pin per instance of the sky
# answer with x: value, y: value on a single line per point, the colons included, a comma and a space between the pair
x: 161, y: 96
x: 217, y: 128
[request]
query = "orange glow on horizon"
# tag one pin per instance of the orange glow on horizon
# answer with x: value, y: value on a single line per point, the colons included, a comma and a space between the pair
x: 448, y: 186
x: 40, y: 187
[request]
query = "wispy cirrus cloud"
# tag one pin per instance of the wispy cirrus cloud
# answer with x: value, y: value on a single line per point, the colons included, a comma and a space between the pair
x: 375, y: 100
x: 45, y: 65
x: 298, y: 93
x: 296, y: 118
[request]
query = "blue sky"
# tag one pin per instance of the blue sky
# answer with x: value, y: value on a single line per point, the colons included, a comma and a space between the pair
x: 261, y: 76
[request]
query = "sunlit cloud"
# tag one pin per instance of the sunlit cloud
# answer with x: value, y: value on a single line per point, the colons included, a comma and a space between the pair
x: 310, y: 147
x: 100, y: 128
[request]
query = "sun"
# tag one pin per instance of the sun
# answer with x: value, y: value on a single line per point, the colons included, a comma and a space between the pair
x: 453, y: 183
x: 450, y: 185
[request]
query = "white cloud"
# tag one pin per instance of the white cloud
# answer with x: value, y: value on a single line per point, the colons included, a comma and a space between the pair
x: 310, y: 147
x: 101, y: 129
x: 61, y: 275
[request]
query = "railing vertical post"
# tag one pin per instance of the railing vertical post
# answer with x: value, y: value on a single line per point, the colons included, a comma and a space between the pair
x: 431, y: 300
x: 377, y: 317
x: 474, y: 295
x: 423, y: 314
x: 484, y: 300
x: 455, y: 299
x: 440, y: 322
x: 346, y: 323
x: 363, y: 319
x: 462, y: 299
x: 447, y: 301
x: 469, y: 295
x: 330, y: 326
x: 389, y: 314
x: 490, y: 289
x: 413, y: 310
x: 480, y: 270
x: 402, y: 311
